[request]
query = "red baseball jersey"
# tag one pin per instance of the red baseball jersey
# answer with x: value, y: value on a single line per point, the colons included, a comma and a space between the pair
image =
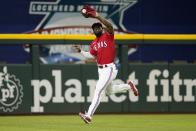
x: 103, y: 48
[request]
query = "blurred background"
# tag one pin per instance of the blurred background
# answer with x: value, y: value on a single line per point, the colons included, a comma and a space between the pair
x: 130, y: 16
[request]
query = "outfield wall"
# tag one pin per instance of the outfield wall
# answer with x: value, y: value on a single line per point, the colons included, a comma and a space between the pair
x: 69, y: 89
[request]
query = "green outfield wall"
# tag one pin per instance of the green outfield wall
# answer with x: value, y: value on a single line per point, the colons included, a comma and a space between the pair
x: 69, y: 88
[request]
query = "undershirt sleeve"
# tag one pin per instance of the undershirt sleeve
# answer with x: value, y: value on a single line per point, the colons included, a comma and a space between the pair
x: 87, y: 55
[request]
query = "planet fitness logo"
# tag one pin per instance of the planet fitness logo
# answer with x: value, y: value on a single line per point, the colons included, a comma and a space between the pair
x: 10, y: 91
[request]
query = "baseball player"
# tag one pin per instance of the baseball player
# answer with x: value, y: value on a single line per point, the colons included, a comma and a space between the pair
x: 103, y: 50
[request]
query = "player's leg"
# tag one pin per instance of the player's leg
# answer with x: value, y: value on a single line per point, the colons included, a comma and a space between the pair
x: 120, y: 88
x: 105, y: 77
x: 117, y: 88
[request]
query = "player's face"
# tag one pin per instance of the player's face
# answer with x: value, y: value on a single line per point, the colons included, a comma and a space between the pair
x: 98, y: 31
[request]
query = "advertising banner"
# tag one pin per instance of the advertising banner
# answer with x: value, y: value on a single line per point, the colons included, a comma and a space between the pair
x: 70, y: 88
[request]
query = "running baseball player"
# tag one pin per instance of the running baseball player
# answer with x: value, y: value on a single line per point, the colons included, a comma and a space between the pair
x: 103, y: 50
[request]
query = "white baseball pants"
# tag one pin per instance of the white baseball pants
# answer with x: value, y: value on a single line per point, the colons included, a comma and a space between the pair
x: 106, y: 76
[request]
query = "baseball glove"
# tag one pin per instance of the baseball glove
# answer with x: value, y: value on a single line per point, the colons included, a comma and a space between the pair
x: 88, y: 11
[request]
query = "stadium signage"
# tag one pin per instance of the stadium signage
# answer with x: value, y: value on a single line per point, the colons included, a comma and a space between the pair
x: 71, y: 94
x: 177, y: 84
x: 70, y: 90
x: 64, y: 17
x: 50, y: 9
x: 11, y: 91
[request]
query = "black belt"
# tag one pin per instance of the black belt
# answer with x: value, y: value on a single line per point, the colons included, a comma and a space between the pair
x: 103, y: 66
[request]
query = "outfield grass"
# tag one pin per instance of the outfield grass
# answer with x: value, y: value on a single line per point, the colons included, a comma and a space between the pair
x: 183, y: 122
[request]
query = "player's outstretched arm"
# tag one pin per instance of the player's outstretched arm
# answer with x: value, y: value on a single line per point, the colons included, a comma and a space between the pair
x: 89, y: 12
x: 107, y: 24
x: 84, y: 53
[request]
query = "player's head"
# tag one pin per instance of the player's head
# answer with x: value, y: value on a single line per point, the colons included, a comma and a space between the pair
x: 97, y: 29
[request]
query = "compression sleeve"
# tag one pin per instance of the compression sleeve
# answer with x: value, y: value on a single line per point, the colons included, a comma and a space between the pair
x: 87, y: 54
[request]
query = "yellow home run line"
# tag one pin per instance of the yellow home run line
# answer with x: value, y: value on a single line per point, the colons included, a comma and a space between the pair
x: 156, y: 36
x: 90, y: 37
x: 42, y: 36
x: 170, y: 36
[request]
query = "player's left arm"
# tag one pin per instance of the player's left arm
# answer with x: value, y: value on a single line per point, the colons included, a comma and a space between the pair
x: 92, y: 13
x: 108, y: 25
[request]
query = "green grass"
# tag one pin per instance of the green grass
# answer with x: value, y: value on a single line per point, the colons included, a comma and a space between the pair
x: 127, y: 122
